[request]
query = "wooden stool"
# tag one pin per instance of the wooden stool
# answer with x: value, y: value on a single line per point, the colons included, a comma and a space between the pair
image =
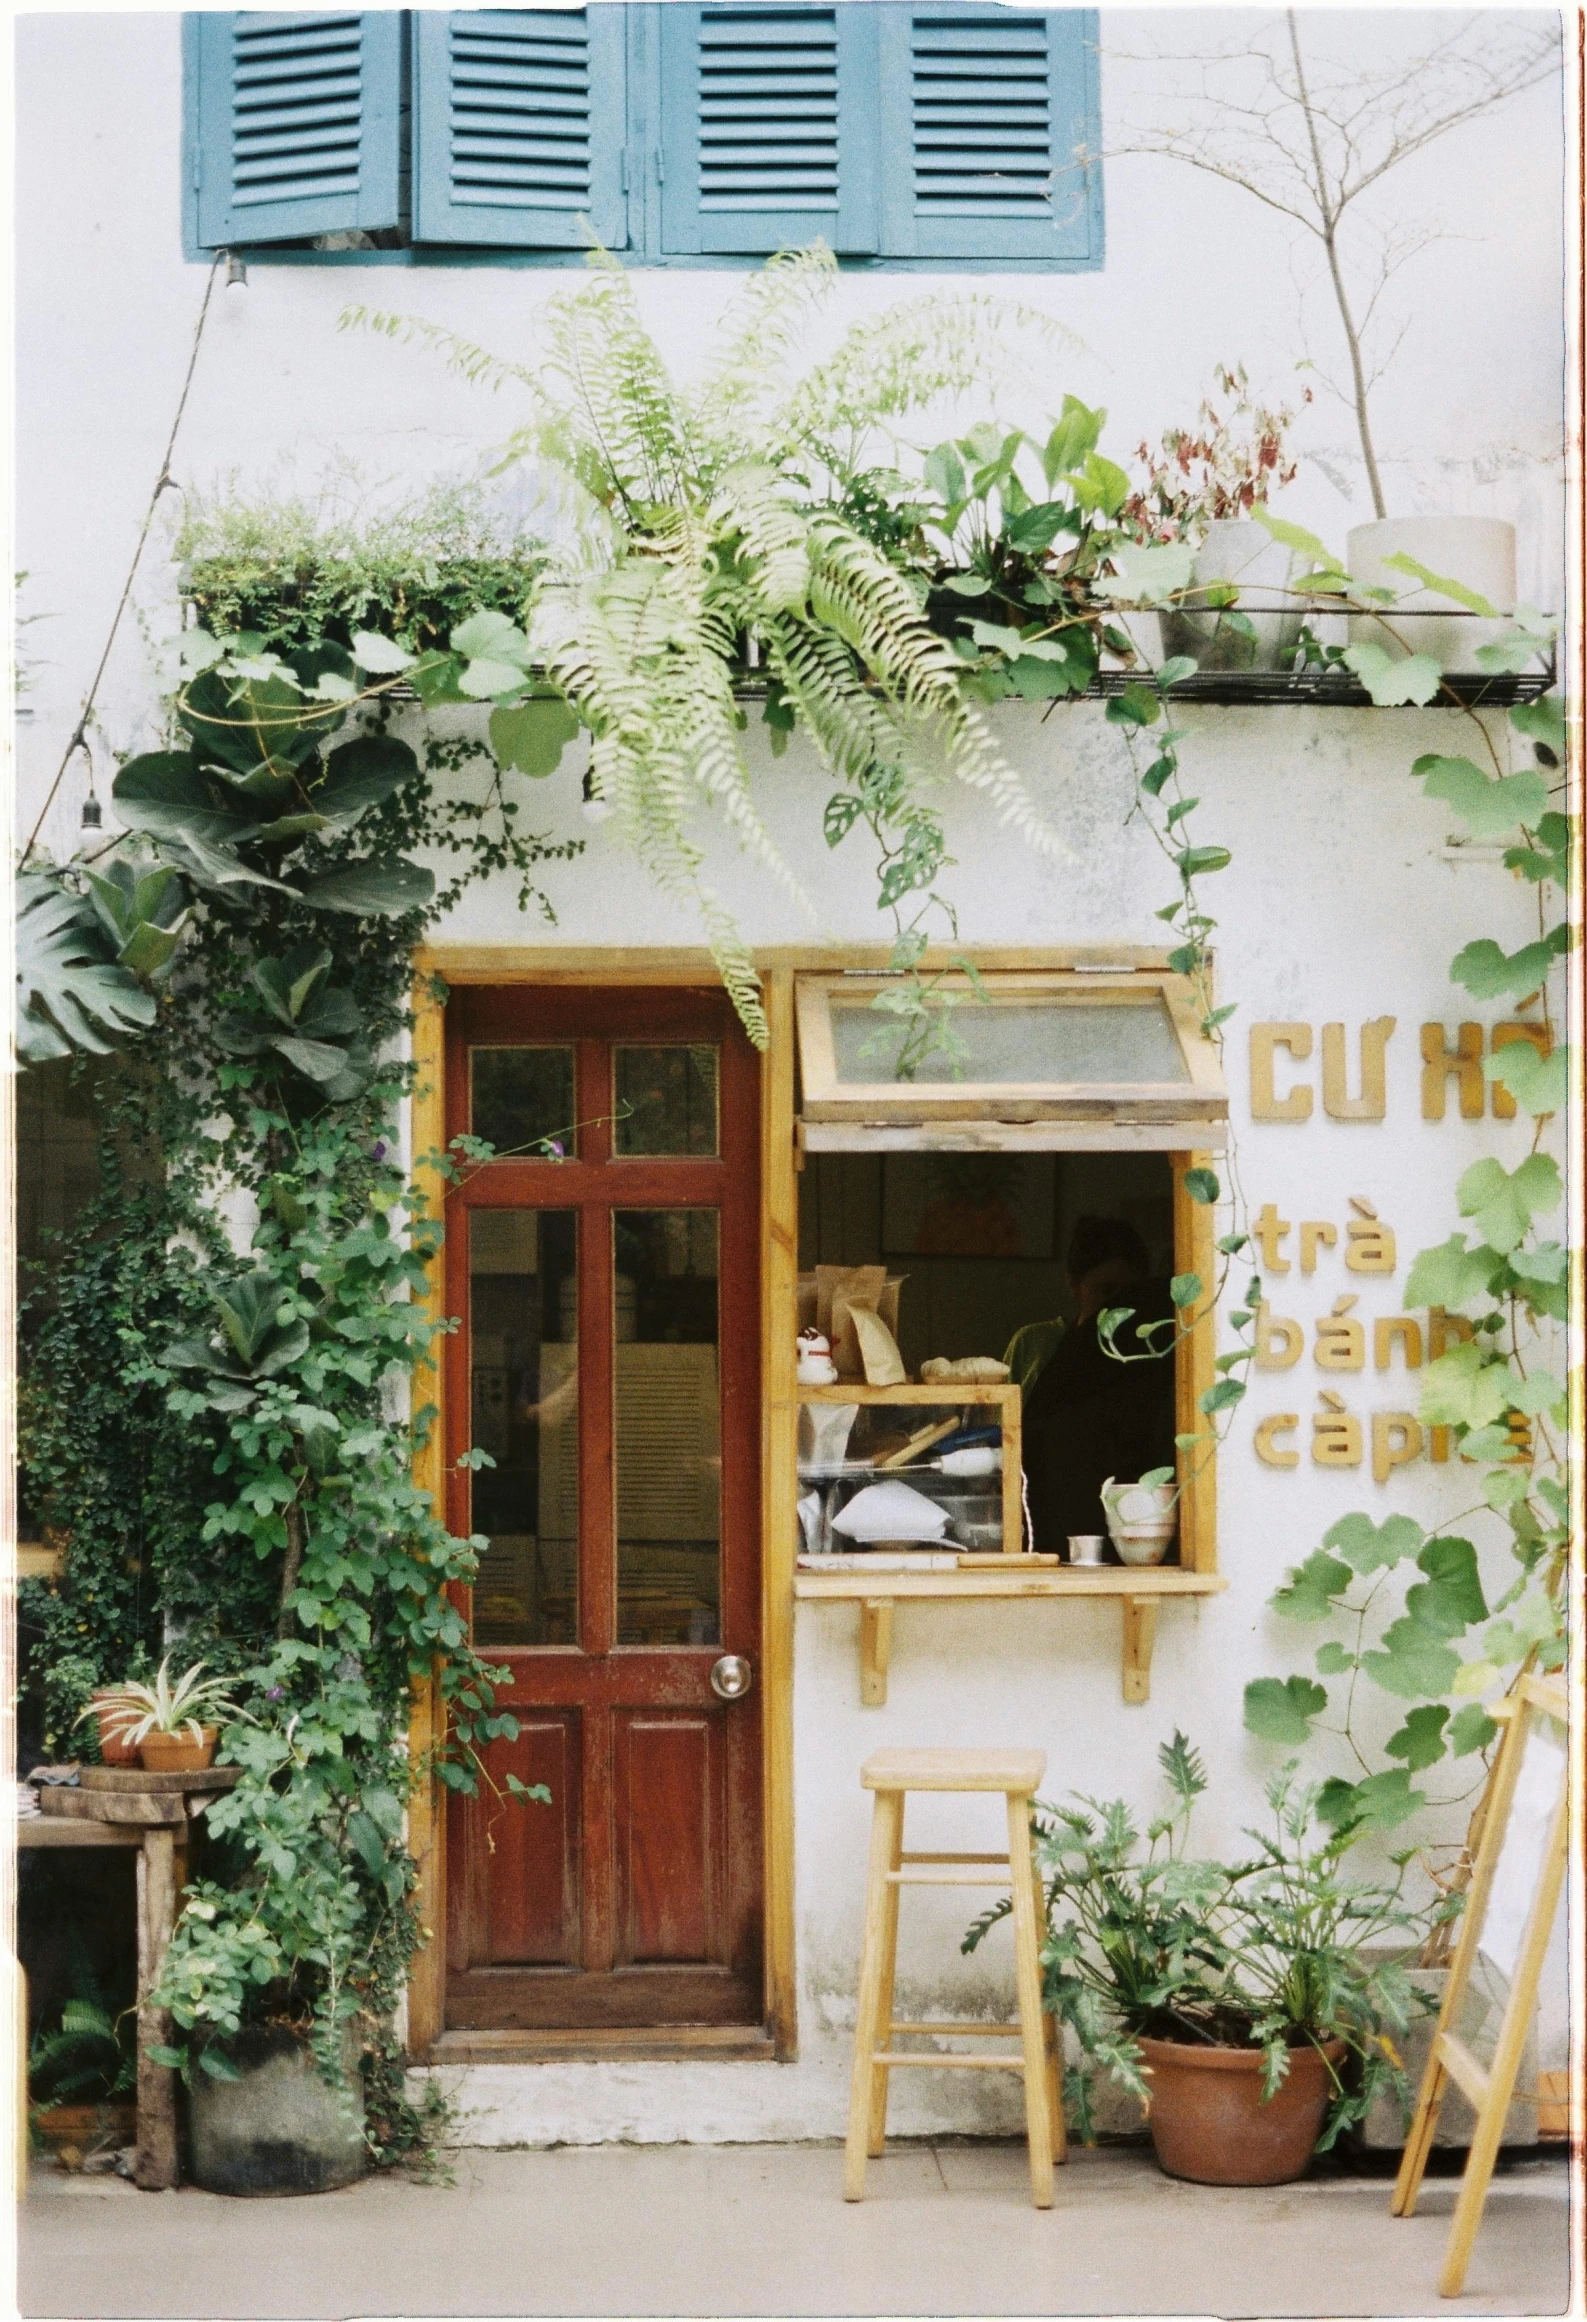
x: 891, y: 1774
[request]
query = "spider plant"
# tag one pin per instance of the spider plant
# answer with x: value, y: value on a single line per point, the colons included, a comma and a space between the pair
x: 183, y: 1705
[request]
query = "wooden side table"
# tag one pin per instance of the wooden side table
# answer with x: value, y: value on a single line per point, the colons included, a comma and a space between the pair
x: 124, y: 1806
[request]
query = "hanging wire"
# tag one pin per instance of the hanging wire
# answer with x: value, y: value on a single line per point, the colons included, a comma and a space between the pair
x: 163, y: 483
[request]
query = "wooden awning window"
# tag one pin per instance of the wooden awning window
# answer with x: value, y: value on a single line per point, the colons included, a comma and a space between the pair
x: 1037, y: 1061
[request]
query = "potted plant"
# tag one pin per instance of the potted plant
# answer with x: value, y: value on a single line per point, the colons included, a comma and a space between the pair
x: 1336, y: 122
x: 1201, y: 486
x: 105, y: 1705
x: 1403, y: 559
x: 1232, y: 1999
x: 172, y: 1727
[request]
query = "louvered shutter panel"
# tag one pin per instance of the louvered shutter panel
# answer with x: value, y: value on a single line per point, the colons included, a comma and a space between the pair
x: 296, y: 126
x: 520, y: 123
x: 990, y: 124
x: 767, y: 127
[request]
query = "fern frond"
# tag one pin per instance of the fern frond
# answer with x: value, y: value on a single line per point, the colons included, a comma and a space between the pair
x: 751, y: 501
x: 465, y: 356
x: 619, y: 402
x: 761, y: 330
x: 908, y: 357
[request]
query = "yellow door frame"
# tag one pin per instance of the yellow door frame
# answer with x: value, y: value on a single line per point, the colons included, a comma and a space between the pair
x: 448, y: 964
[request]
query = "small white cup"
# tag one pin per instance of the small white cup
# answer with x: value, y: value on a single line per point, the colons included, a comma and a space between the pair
x: 1085, y: 1547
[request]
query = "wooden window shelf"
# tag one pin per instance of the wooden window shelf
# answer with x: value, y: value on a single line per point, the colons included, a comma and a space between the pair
x: 1140, y: 1590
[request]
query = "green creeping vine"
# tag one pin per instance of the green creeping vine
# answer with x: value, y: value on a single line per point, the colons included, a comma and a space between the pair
x: 240, y: 1479
x: 1411, y: 1614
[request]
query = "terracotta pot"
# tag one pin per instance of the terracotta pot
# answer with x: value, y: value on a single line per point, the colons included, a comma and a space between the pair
x: 1209, y: 2123
x: 113, y: 1751
x: 178, y: 1753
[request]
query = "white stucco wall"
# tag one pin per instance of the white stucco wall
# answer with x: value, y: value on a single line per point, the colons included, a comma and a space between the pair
x: 1343, y: 903
x: 1469, y: 415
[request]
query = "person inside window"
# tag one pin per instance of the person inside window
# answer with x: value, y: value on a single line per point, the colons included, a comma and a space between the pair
x: 1089, y: 1416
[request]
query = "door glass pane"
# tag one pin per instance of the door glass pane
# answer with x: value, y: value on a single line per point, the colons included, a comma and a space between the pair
x: 666, y: 1100
x: 524, y: 1354
x: 1028, y: 1041
x: 522, y: 1101
x: 669, y: 1446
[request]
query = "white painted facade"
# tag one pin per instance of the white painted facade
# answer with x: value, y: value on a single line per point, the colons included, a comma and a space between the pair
x: 1344, y: 902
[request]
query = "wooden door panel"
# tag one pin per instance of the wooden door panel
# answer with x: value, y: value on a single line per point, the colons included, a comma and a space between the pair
x: 633, y: 1899
x: 670, y: 1871
x: 551, y: 1999
x: 532, y: 1852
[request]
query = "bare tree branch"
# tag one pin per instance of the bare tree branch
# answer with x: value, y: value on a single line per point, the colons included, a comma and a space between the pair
x: 1307, y: 138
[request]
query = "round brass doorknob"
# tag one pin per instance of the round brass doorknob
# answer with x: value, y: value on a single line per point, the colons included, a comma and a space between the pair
x: 731, y: 1677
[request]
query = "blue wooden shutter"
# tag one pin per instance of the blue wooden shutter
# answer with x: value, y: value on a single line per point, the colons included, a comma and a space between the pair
x: 767, y: 127
x: 296, y: 125
x: 520, y: 125
x: 990, y: 124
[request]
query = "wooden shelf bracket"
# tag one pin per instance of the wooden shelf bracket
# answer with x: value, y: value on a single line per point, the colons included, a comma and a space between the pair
x: 876, y: 1633
x: 1140, y: 1635
x: 876, y: 1643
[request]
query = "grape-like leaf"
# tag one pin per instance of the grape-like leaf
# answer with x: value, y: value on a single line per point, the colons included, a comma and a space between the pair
x: 1368, y: 1547
x: 1280, y: 1709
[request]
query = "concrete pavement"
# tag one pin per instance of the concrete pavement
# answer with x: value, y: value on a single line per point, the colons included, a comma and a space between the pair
x: 946, y: 2228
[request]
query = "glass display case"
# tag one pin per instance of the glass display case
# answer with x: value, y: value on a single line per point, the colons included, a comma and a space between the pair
x: 923, y: 1475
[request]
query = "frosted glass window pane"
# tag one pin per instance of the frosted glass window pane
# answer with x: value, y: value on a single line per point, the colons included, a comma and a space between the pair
x: 1025, y: 1041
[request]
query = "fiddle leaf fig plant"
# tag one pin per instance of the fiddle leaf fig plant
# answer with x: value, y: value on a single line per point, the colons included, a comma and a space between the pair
x: 296, y: 1015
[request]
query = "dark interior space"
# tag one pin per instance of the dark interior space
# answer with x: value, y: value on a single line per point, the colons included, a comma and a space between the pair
x: 984, y: 1243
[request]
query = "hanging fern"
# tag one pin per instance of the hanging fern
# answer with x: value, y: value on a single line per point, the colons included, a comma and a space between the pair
x: 703, y: 520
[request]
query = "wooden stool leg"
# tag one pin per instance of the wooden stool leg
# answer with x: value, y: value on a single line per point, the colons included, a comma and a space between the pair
x: 1052, y: 2038
x: 880, y: 2076
x: 886, y: 1839
x: 1027, y: 1976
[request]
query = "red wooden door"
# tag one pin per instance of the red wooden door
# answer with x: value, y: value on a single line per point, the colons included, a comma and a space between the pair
x: 605, y: 1269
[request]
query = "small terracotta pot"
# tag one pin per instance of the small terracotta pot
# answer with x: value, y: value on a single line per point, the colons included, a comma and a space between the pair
x: 1208, y: 2120
x: 178, y: 1753
x: 113, y: 1750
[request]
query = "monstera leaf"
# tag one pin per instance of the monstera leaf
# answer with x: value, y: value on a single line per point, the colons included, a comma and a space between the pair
x: 72, y: 994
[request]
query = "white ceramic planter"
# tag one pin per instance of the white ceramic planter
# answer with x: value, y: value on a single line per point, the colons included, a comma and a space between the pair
x: 1242, y: 552
x: 1478, y: 551
x: 1140, y: 1519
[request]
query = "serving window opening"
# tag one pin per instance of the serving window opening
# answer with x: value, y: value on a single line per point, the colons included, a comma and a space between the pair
x: 979, y: 1193
x: 1010, y: 1258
